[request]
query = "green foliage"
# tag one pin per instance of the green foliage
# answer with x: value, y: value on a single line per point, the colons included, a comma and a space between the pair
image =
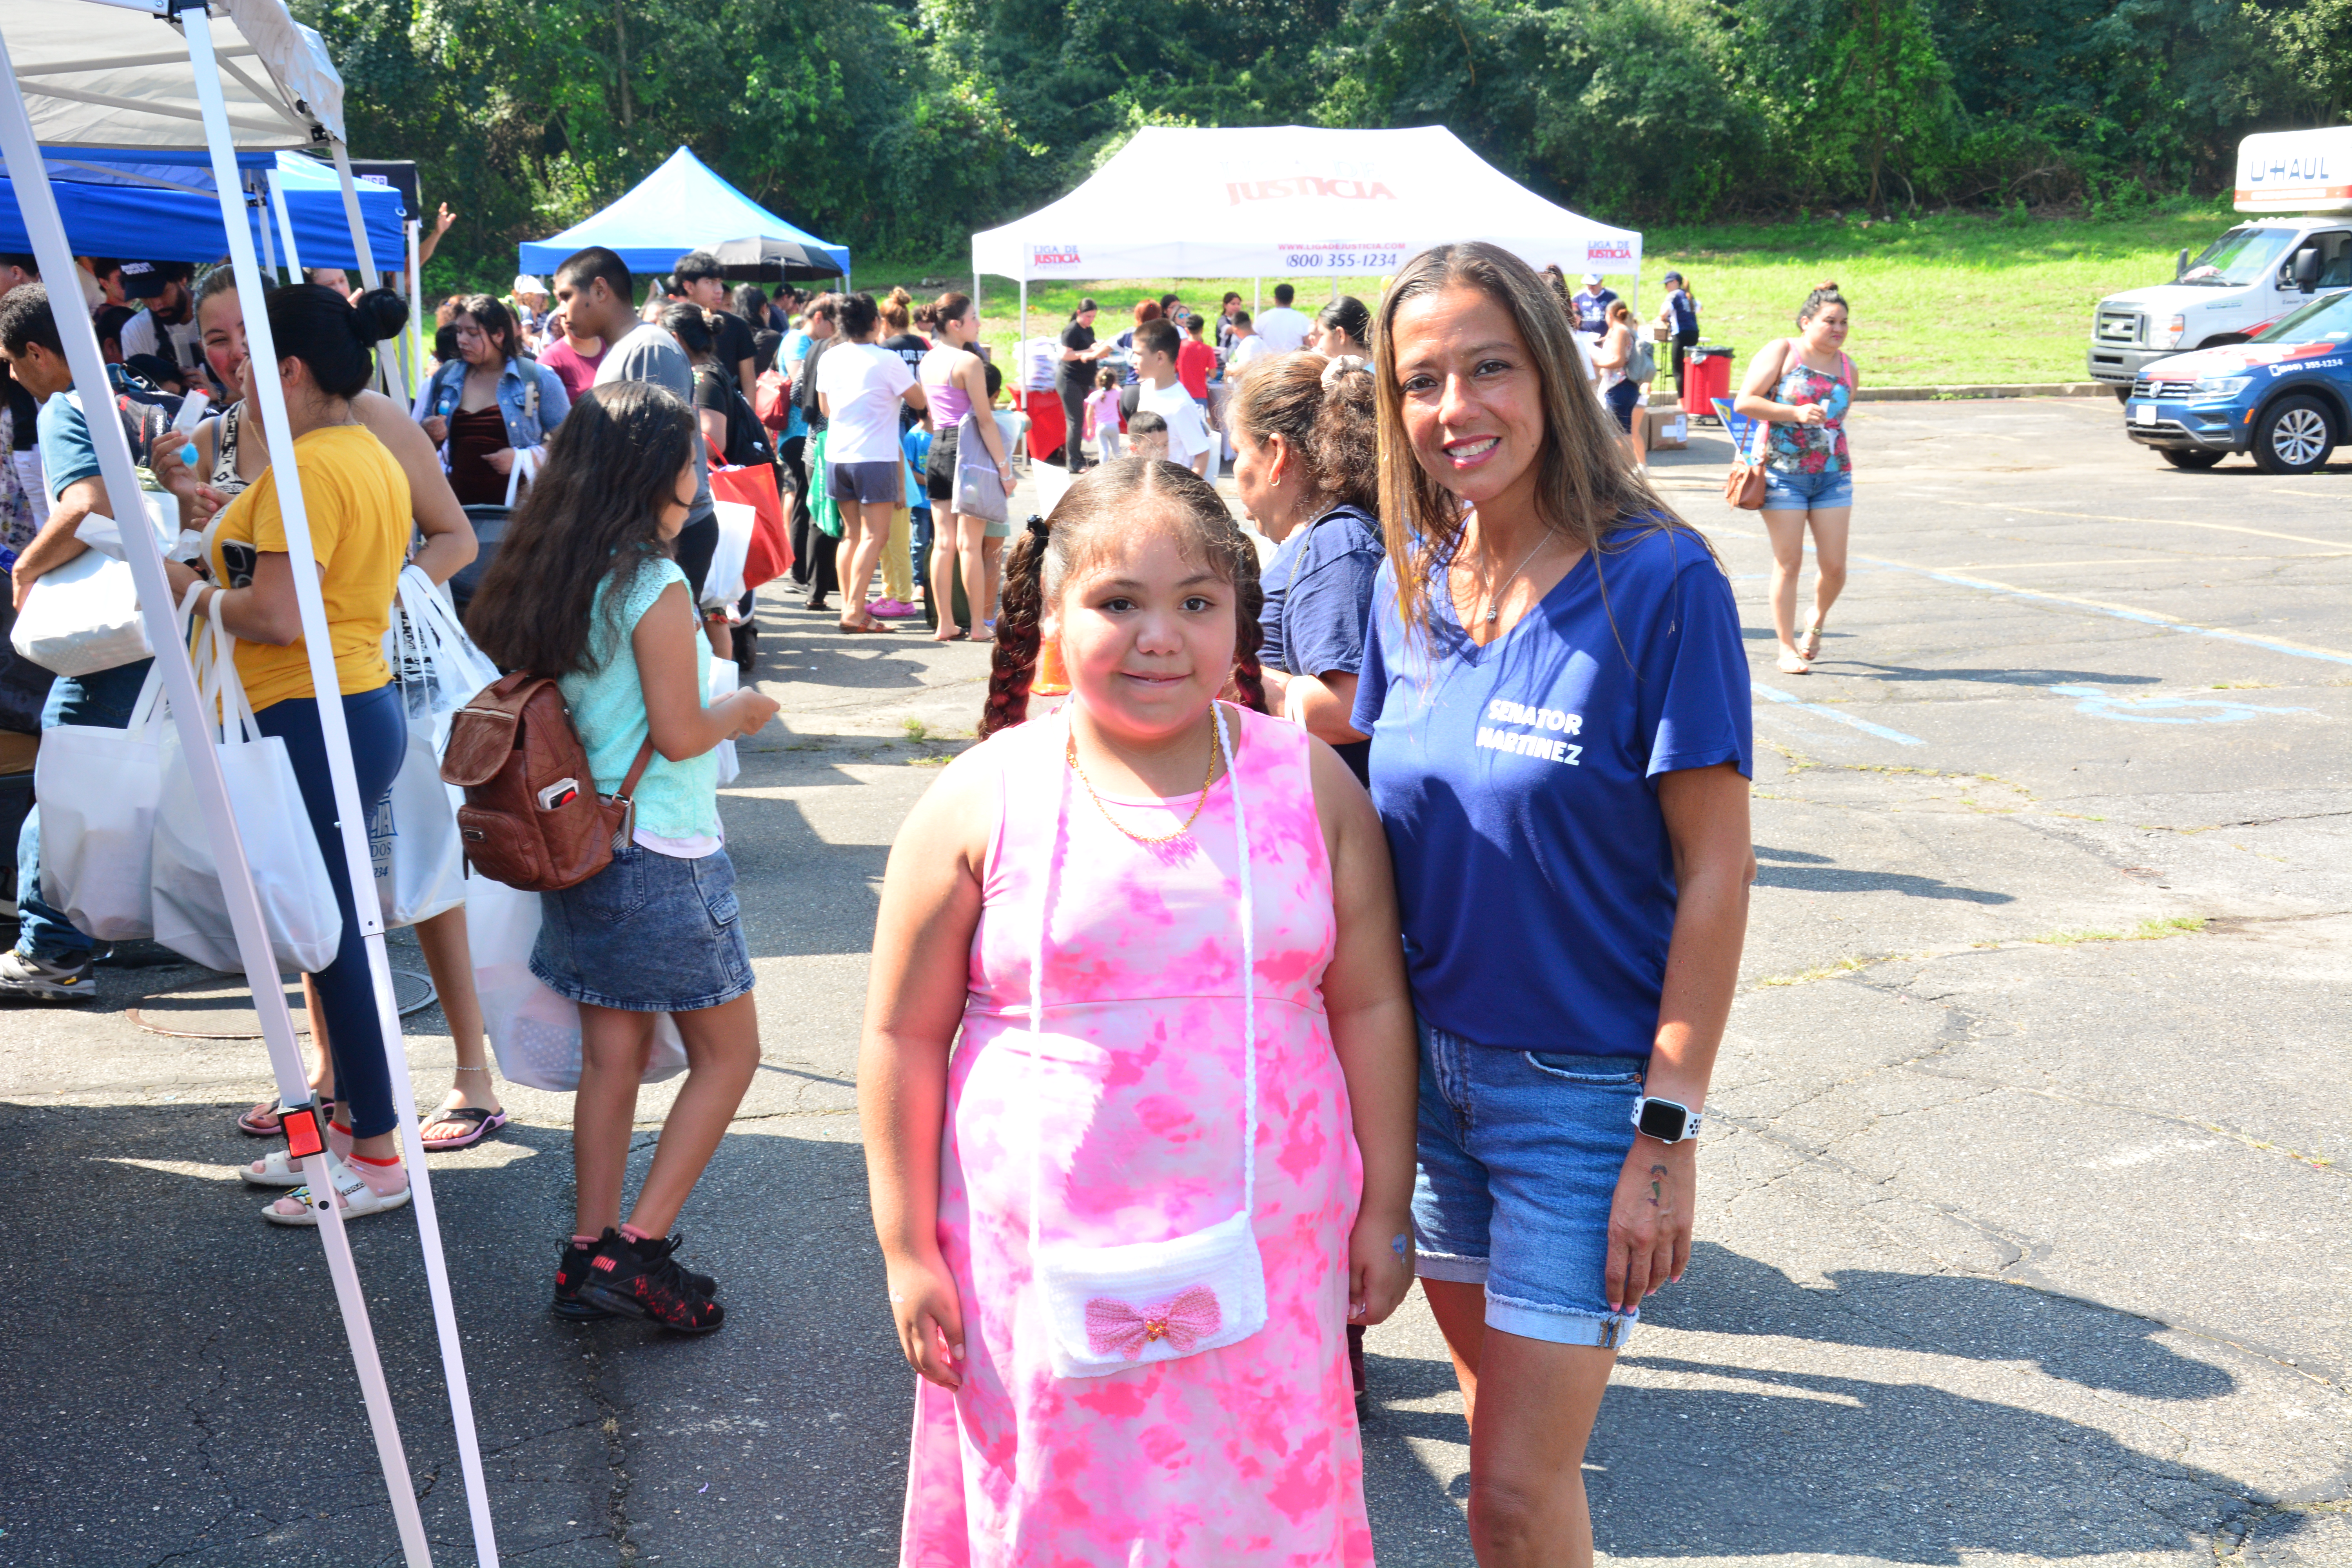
x: 902, y: 125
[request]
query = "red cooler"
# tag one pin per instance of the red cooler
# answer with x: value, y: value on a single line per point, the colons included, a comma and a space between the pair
x: 1707, y: 375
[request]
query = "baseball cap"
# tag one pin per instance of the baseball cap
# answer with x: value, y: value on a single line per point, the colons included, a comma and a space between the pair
x: 1673, y: 277
x: 525, y: 283
x: 144, y: 279
x: 1593, y: 277
x: 152, y: 369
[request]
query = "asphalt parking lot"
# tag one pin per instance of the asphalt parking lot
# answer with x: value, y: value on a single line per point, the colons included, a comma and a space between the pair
x: 2024, y: 1236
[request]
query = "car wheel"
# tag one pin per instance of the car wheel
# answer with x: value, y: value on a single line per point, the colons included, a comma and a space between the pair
x: 2293, y: 437
x: 2190, y: 459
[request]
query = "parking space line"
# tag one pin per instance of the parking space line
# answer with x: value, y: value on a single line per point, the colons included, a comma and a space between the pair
x: 1826, y: 712
x: 2156, y: 618
x: 2164, y: 522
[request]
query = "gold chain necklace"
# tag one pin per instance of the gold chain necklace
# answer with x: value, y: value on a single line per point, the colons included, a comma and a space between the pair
x: 1070, y: 755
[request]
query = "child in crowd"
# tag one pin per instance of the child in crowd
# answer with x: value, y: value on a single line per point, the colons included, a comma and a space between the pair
x: 583, y: 589
x: 1196, y: 361
x: 1190, y: 445
x: 1148, y: 433
x: 1184, y: 1027
x: 1102, y: 415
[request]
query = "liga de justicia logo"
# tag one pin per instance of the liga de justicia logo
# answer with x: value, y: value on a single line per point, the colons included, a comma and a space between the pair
x: 1608, y: 251
x: 1353, y: 190
x: 1053, y: 255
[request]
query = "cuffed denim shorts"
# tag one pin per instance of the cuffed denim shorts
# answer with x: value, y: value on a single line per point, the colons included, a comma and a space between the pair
x: 1788, y: 491
x: 1520, y: 1152
x: 648, y: 933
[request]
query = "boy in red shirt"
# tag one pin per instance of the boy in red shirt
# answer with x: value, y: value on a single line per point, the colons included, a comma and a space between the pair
x: 1195, y: 359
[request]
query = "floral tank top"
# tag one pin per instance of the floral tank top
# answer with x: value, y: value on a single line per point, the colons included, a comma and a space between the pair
x: 1812, y: 448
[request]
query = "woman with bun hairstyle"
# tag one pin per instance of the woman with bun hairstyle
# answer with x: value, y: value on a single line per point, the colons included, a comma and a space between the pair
x: 1343, y: 326
x: 1306, y: 463
x: 1558, y: 706
x: 232, y: 451
x: 357, y: 502
x: 1115, y: 942
x: 955, y: 378
x: 1798, y: 389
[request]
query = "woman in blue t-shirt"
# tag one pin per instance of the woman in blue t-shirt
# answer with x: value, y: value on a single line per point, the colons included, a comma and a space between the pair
x: 1304, y: 463
x: 1557, y: 702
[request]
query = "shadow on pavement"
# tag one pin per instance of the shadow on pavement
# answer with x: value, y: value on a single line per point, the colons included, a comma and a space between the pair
x: 1829, y: 880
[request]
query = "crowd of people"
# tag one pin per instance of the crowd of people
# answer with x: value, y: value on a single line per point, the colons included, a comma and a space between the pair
x: 1365, y: 906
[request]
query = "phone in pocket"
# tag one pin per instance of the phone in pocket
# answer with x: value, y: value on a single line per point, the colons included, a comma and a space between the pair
x: 562, y: 792
x: 239, y: 558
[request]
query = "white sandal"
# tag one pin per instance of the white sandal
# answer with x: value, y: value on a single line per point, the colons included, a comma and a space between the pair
x: 352, y: 1196
x: 280, y: 1169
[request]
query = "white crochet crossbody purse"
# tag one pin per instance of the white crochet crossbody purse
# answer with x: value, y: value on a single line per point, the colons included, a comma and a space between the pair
x: 1112, y: 1307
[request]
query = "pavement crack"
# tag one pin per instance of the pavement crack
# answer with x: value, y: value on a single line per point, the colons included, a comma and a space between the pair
x: 601, y: 1387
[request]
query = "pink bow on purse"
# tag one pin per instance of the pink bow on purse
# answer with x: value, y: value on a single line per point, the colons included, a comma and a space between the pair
x: 1183, y: 1323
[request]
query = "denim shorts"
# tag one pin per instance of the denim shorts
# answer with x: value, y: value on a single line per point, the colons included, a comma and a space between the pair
x: 1787, y: 491
x: 1520, y: 1152
x: 648, y: 933
x: 870, y: 483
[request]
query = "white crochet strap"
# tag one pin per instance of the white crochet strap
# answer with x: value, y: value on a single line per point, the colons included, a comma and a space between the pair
x: 1249, y: 987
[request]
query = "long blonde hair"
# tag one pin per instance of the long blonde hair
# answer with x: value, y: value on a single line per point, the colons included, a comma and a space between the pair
x: 1586, y: 488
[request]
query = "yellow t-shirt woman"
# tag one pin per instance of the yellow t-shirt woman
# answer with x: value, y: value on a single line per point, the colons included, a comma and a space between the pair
x: 358, y: 504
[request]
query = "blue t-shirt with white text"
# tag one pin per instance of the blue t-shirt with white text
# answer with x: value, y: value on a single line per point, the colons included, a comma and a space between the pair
x: 1517, y: 785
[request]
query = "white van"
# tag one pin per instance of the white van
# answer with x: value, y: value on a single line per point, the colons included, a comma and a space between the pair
x: 2253, y: 274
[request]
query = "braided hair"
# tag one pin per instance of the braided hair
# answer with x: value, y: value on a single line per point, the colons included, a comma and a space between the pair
x: 1097, y: 508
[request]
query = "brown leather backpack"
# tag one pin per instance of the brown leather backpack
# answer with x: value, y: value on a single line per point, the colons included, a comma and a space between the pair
x: 533, y: 818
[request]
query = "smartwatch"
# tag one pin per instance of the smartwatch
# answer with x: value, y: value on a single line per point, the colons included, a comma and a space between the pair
x: 1664, y: 1119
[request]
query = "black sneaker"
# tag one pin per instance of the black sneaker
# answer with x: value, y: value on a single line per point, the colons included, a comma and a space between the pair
x: 642, y: 1279
x: 571, y: 1269
x: 38, y: 979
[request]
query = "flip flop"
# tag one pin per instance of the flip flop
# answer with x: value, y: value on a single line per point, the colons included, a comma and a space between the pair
x: 352, y: 1196
x: 485, y: 1123
x: 877, y: 627
x: 252, y: 1126
x: 1809, y: 646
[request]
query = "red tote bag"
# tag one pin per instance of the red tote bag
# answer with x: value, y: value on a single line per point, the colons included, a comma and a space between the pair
x: 754, y: 485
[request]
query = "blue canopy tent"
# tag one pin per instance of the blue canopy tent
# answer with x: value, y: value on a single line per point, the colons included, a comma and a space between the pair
x: 151, y: 207
x: 683, y: 207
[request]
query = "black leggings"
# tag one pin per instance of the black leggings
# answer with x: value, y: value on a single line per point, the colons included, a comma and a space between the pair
x: 1074, y: 413
x: 1683, y: 342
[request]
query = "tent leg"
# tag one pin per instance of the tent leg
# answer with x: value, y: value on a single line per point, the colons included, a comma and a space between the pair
x: 348, y: 808
x: 145, y: 559
x: 269, y: 237
x: 415, y: 316
x: 1257, y: 298
x: 369, y: 276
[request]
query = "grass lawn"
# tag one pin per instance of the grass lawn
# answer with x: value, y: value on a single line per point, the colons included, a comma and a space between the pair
x: 1937, y: 301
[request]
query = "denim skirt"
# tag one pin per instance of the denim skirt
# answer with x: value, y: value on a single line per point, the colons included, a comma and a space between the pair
x: 649, y: 933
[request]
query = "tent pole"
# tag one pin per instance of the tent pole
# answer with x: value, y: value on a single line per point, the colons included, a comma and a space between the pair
x: 415, y: 315
x: 285, y: 226
x: 358, y: 860
x: 1021, y: 348
x: 268, y: 239
x: 189, y: 713
x: 1257, y: 299
x: 404, y: 1093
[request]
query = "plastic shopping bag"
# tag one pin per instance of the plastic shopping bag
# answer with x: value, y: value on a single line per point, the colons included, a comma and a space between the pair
x: 420, y: 863
x: 437, y: 666
x: 725, y: 677
x: 769, y: 555
x: 979, y: 488
x: 535, y: 1032
x: 297, y: 901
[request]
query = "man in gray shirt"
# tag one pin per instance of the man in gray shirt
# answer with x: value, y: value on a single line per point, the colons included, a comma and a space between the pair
x: 594, y: 289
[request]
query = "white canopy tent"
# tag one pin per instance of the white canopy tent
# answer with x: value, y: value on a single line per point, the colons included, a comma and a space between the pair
x: 168, y: 76
x: 1293, y: 203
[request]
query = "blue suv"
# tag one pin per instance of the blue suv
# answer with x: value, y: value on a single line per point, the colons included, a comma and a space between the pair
x: 2285, y: 396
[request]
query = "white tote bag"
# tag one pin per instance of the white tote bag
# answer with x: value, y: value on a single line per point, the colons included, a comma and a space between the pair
x: 726, y: 677
x: 297, y: 901
x: 1113, y: 1308
x: 535, y: 1032
x: 82, y: 617
x: 723, y: 583
x: 420, y: 863
x: 100, y: 789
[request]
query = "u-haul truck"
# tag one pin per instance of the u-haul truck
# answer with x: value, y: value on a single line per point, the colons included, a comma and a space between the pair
x: 2296, y: 188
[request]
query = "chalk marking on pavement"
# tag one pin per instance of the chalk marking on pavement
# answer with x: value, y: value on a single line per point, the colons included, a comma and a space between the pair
x: 1826, y: 712
x: 2155, y: 618
x: 2134, y: 710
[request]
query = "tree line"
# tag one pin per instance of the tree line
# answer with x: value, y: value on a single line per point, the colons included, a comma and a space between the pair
x: 899, y: 126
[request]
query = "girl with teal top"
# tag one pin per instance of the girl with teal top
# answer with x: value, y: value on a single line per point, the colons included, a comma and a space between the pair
x: 584, y: 589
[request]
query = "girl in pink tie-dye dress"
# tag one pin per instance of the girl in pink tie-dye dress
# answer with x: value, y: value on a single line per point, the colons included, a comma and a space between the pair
x: 1087, y: 835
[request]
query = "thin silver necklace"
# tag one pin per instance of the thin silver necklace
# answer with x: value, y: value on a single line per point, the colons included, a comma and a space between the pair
x: 1495, y: 593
